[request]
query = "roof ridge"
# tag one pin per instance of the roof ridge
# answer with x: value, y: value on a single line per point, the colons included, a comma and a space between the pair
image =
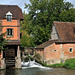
x: 17, y: 14
x: 47, y: 43
x: 7, y: 5
x: 66, y: 30
x: 62, y: 22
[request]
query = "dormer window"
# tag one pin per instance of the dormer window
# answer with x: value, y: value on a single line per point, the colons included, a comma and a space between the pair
x: 9, y: 16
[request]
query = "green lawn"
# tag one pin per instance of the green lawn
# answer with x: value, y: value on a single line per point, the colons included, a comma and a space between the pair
x: 69, y: 64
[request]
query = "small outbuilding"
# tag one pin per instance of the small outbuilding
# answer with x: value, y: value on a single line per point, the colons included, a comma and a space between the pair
x: 61, y: 44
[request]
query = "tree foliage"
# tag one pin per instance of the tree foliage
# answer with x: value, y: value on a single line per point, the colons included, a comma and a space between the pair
x: 26, y: 28
x: 68, y: 16
x: 2, y: 40
x: 41, y: 15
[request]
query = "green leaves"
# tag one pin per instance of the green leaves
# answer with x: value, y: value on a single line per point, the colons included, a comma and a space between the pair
x: 68, y: 16
x: 2, y: 42
x: 42, y: 13
x: 70, y: 63
x: 26, y: 29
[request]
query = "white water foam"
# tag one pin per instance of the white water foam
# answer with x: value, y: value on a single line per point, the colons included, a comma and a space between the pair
x: 32, y: 64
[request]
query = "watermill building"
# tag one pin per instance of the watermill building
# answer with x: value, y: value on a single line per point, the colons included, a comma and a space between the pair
x: 10, y: 17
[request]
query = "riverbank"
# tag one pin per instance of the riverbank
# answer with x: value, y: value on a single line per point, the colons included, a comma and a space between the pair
x: 69, y: 64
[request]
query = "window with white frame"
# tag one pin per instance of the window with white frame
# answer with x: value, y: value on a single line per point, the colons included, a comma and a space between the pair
x: 9, y: 32
x: 9, y: 16
x: 70, y: 50
x: 55, y: 50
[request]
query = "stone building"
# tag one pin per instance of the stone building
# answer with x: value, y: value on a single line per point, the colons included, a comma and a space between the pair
x: 61, y: 44
x: 10, y: 17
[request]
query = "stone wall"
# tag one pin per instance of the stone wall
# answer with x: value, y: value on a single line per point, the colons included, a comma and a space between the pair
x: 54, y: 61
x: 18, y: 59
x: 54, y: 34
x: 18, y: 63
x: 51, y: 52
x: 58, y: 52
x: 66, y: 51
x: 2, y: 64
x: 40, y: 51
x: 55, y: 53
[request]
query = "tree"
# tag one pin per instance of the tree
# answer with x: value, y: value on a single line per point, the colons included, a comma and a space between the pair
x: 43, y: 13
x: 26, y: 28
x: 2, y: 40
x: 68, y: 16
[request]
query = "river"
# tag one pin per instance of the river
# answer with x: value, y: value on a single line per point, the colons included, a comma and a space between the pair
x: 38, y: 71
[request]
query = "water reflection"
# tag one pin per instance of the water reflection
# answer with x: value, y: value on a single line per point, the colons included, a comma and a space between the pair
x: 11, y: 72
x: 38, y: 71
x: 2, y: 72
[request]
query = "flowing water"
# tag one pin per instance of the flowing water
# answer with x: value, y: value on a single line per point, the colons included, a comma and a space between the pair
x: 33, y: 68
x: 38, y: 71
x: 32, y: 64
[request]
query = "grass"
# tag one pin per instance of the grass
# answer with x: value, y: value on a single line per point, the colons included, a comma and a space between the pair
x: 69, y: 64
x: 54, y: 65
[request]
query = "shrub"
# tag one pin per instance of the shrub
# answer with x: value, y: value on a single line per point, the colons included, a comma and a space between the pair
x: 70, y: 63
x: 38, y: 58
x: 56, y: 65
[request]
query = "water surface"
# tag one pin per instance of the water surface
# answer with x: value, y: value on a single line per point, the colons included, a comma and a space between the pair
x: 38, y: 71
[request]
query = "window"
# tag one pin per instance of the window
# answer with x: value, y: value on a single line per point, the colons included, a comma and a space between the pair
x: 70, y: 50
x: 55, y: 50
x: 9, y: 32
x: 8, y: 17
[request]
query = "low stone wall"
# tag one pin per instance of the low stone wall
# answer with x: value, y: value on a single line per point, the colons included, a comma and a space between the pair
x: 18, y: 63
x: 54, y: 61
x: 2, y: 64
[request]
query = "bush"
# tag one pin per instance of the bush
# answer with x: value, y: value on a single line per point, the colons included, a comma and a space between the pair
x: 38, y: 58
x: 56, y: 65
x: 70, y: 63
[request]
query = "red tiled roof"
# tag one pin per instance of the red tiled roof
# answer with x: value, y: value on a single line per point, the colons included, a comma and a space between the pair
x: 47, y: 43
x: 14, y: 9
x: 66, y: 31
